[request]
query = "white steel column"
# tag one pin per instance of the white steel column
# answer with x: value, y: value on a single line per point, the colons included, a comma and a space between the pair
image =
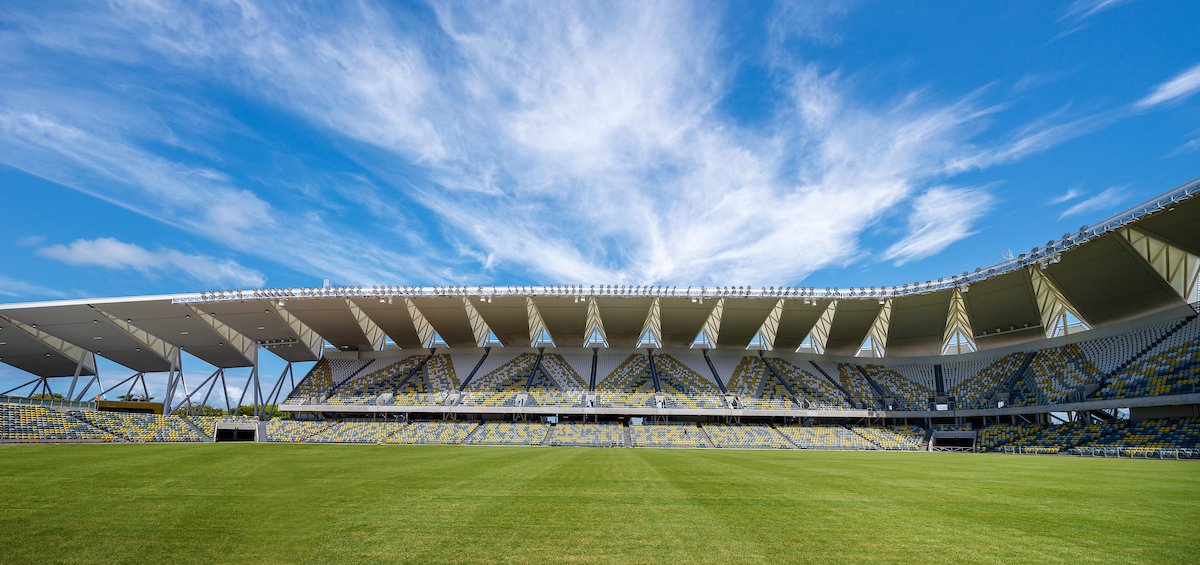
x: 877, y: 334
x: 370, y: 329
x: 707, y: 338
x: 539, y: 336
x: 958, y: 337
x: 1177, y: 267
x: 764, y: 338
x: 1055, y: 311
x: 594, y: 331
x: 651, y: 336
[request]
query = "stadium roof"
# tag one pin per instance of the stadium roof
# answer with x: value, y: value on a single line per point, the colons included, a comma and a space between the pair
x: 1141, y: 261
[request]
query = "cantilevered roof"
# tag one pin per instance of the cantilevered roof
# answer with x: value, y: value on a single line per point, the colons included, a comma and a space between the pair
x: 1099, y: 271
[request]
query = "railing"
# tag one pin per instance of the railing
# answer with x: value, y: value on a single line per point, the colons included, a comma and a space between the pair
x: 47, y: 402
x: 1132, y: 452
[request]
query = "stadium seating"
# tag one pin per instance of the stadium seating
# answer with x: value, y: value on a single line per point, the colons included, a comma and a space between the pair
x: 684, y: 388
x: 500, y: 386
x: 1146, y: 435
x: 587, y: 435
x: 365, y: 387
x: 1171, y: 367
x: 356, y: 432
x: 856, y: 384
x: 509, y: 433
x: 37, y: 423
x: 142, y: 427
x: 1058, y: 373
x: 974, y: 383
x: 677, y: 435
x: 318, y: 381
x: 910, y: 394
x: 825, y: 437
x: 444, y: 432
x: 815, y: 389
x: 892, y: 438
x: 745, y: 436
x: 293, y: 431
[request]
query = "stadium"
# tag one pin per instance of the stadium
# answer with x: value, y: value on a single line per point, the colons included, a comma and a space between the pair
x: 683, y: 281
x: 1035, y: 355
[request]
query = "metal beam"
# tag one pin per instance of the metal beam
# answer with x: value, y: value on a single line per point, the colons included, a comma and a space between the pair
x: 60, y: 346
x: 429, y: 337
x: 651, y: 336
x: 307, y: 336
x: 370, y: 329
x: 1180, y: 269
x: 707, y: 338
x: 539, y: 336
x: 245, y: 346
x: 1053, y: 306
x: 484, y: 336
x: 958, y: 337
x: 164, y: 350
x: 764, y: 338
x: 877, y: 334
x: 818, y: 336
x: 593, y: 333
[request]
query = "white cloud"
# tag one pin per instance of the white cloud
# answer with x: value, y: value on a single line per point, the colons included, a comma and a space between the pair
x: 1181, y: 86
x: 940, y: 216
x: 1187, y: 147
x: 1083, y: 9
x: 114, y: 254
x: 1070, y: 194
x: 17, y: 288
x: 569, y: 142
x: 1106, y: 199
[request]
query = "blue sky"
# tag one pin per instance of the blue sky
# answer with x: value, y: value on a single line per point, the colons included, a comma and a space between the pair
x: 157, y: 147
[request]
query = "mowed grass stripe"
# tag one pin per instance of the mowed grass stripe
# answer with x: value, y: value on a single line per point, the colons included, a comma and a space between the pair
x: 242, y: 503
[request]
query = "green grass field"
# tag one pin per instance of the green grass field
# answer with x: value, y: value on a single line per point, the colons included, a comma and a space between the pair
x: 241, y: 503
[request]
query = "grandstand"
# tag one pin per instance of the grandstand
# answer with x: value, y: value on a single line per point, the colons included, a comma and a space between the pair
x: 1043, y: 361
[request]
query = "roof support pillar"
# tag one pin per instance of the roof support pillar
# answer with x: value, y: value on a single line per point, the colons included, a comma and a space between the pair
x: 1180, y: 269
x: 484, y: 336
x: 370, y: 329
x: 539, y: 336
x: 307, y: 336
x: 164, y: 350
x: 593, y: 333
x: 958, y: 337
x: 1055, y: 311
x: 818, y: 336
x: 243, y: 344
x: 876, y: 341
x: 429, y: 337
x: 707, y: 338
x: 764, y: 338
x: 79, y: 355
x: 651, y: 336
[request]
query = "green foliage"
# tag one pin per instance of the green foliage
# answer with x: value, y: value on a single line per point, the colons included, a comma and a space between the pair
x: 432, y: 504
x: 135, y: 398
x: 43, y: 396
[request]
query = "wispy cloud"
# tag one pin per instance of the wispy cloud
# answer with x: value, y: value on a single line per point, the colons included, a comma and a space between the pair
x: 569, y: 142
x: 1179, y: 87
x: 1083, y: 9
x: 17, y: 288
x: 1103, y: 200
x: 1070, y: 194
x: 111, y: 253
x: 940, y: 216
x: 1186, y: 147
